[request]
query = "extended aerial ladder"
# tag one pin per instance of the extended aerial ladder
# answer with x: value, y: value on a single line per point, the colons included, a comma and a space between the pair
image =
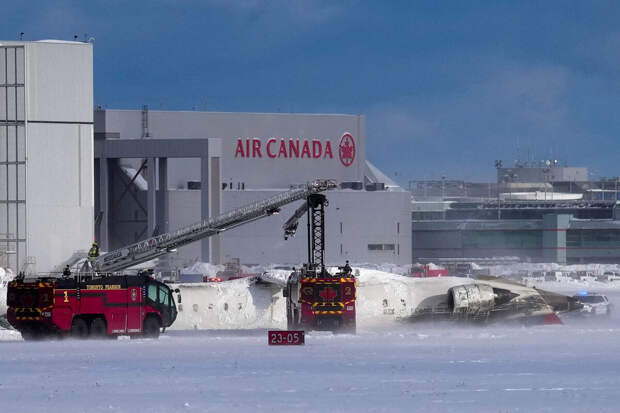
x: 315, y: 208
x: 316, y: 299
x: 154, y: 247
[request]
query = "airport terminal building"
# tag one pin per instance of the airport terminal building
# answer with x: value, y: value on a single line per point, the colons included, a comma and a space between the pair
x: 539, y: 213
x: 251, y: 157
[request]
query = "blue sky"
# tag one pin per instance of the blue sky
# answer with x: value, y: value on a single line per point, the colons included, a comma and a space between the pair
x: 446, y: 87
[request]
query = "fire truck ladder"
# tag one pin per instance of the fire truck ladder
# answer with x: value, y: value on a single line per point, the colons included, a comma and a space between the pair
x: 163, y: 244
x: 315, y: 207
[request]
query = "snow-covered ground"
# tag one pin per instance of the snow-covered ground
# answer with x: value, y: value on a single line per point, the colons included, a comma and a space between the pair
x: 387, y: 366
x: 570, y: 368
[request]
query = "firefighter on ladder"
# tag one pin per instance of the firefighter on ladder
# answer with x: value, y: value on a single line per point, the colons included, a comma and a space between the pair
x: 93, y: 252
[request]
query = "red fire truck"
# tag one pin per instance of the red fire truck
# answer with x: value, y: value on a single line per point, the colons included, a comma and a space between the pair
x: 326, y: 303
x: 316, y: 299
x: 135, y: 305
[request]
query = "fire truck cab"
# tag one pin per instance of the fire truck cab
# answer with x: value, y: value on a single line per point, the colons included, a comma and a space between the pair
x: 109, y: 306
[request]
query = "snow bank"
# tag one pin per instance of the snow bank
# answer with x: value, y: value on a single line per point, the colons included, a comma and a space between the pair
x: 510, y: 269
x: 9, y: 335
x: 5, y: 277
x: 203, y: 268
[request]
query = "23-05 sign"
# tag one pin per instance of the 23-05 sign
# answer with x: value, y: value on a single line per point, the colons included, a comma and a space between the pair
x: 285, y: 338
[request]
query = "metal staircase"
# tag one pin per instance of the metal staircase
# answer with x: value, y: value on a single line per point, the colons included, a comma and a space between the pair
x: 163, y: 244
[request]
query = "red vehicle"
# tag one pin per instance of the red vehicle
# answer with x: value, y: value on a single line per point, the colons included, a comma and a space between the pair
x: 232, y: 271
x: 316, y: 299
x: 135, y: 305
x: 425, y: 271
x: 324, y: 304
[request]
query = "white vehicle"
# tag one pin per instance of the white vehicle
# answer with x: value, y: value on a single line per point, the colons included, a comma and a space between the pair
x: 594, y: 304
x: 611, y: 276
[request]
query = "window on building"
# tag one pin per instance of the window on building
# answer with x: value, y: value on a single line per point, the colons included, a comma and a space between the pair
x: 600, y: 238
x: 573, y: 238
x: 427, y: 216
x: 502, y: 239
x: 398, y: 227
x: 381, y: 247
x: 341, y: 227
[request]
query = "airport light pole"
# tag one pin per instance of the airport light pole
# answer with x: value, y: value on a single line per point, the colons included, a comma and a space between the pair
x: 443, y: 187
x: 443, y: 196
x: 499, y: 211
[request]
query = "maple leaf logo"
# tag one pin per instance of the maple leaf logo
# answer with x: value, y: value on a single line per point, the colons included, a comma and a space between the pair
x: 328, y: 294
x: 346, y: 149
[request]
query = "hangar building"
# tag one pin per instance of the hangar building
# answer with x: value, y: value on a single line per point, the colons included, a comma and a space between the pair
x: 46, y: 152
x: 368, y: 218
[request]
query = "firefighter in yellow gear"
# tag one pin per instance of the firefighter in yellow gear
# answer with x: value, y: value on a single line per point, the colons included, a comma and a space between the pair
x: 93, y: 252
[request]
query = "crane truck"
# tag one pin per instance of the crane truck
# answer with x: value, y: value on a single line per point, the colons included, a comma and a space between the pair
x: 100, y: 301
x: 315, y: 298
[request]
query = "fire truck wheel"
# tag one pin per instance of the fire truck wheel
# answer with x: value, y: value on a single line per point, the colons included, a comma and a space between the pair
x: 151, y: 327
x: 98, y: 328
x: 30, y: 335
x: 79, y: 328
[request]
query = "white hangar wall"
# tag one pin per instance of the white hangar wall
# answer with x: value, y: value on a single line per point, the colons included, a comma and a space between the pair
x: 46, y: 152
x: 355, y: 220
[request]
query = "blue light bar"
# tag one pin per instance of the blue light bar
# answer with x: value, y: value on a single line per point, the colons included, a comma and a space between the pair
x: 582, y: 293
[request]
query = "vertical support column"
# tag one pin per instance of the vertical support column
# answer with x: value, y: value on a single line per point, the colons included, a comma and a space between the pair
x: 162, y: 195
x: 554, y: 237
x: 104, y: 203
x: 97, y: 198
x: 216, y: 202
x: 204, y: 204
x: 151, y: 207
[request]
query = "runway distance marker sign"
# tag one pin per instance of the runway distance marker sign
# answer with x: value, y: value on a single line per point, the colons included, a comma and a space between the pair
x: 285, y: 338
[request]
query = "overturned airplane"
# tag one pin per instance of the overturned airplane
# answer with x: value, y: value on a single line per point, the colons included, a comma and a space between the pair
x: 257, y: 302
